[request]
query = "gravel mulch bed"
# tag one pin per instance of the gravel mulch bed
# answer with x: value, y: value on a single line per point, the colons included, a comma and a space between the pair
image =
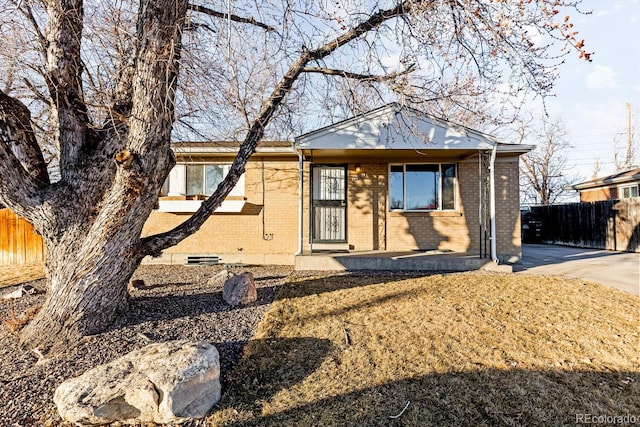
x: 177, y: 302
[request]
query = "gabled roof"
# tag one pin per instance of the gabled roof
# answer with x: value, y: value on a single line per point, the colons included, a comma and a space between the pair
x: 632, y: 175
x: 396, y: 127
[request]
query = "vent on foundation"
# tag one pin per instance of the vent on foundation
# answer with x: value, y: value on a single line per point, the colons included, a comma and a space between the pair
x: 203, y: 260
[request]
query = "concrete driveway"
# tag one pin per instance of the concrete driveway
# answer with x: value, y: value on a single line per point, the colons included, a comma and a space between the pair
x: 620, y: 270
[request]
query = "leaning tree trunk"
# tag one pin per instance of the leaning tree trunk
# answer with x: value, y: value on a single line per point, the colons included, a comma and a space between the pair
x: 90, y: 263
x: 87, y: 289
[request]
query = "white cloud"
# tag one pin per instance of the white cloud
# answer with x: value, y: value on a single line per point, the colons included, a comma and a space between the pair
x: 612, y: 9
x: 601, y: 77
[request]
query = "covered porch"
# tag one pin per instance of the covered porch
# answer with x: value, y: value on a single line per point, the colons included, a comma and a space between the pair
x: 393, y: 185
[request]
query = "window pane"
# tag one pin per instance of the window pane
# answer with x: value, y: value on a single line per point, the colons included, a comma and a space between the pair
x: 194, y: 180
x: 396, y: 188
x: 422, y: 187
x: 634, y: 191
x: 422, y: 168
x: 213, y: 176
x: 448, y: 186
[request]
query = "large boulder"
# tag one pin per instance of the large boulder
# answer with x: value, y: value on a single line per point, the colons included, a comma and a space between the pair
x: 169, y: 382
x: 240, y: 289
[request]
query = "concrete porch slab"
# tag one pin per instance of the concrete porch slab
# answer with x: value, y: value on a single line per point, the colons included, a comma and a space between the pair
x: 397, y: 261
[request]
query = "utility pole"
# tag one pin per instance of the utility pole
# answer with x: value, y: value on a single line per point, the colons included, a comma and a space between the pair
x: 629, y: 160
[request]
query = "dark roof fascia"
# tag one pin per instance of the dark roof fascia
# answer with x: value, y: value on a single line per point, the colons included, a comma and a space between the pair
x: 607, y: 181
x: 230, y: 147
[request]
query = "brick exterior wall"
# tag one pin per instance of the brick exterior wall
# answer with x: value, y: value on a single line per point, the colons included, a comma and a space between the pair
x: 596, y: 194
x: 367, y: 202
x: 507, y: 178
x: 240, y: 237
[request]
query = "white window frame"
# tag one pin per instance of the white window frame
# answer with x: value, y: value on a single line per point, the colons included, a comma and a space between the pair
x: 404, y: 187
x: 203, y: 177
x: 176, y: 186
x: 621, y: 189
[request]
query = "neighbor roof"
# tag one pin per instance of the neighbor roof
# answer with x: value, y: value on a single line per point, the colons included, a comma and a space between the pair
x: 606, y: 181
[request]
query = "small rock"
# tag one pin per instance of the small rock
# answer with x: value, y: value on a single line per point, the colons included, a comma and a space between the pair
x: 220, y: 278
x: 137, y: 284
x: 169, y: 382
x: 240, y: 289
x: 21, y: 291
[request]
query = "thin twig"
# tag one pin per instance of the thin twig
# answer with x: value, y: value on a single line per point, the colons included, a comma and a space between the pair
x: 144, y: 337
x: 393, y: 417
x: 347, y: 338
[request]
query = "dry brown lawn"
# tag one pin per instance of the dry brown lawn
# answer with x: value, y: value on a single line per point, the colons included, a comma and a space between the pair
x: 15, y: 274
x: 442, y: 350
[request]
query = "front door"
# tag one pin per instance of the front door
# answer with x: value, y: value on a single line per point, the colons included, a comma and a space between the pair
x: 329, y: 203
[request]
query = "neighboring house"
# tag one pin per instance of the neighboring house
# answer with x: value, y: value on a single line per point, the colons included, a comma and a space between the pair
x: 621, y: 185
x: 390, y: 180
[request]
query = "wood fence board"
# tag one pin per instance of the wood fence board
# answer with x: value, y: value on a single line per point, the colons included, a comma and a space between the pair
x: 19, y: 243
x: 607, y: 224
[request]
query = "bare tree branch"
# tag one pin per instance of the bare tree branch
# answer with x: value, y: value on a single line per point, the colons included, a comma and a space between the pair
x: 25, y: 10
x: 23, y: 172
x: 543, y: 171
x: 35, y: 91
x: 64, y: 78
x: 154, y: 245
x: 234, y: 18
x: 17, y: 135
x: 358, y: 76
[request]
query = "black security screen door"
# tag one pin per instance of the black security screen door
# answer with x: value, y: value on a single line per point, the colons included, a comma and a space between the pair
x: 329, y: 202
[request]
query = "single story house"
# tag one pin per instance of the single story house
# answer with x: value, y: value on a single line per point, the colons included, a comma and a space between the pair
x: 390, y: 180
x: 621, y: 185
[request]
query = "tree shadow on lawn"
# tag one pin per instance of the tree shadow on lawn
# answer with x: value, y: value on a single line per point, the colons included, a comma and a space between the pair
x: 303, y: 287
x: 279, y: 366
x: 492, y: 397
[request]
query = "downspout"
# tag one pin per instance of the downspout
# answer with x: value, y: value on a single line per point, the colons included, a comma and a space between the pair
x: 300, y: 198
x: 492, y: 203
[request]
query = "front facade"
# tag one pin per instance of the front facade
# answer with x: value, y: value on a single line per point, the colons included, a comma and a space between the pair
x: 621, y: 185
x: 392, y: 180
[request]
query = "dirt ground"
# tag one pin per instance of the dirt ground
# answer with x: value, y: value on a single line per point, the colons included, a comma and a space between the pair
x: 14, y: 274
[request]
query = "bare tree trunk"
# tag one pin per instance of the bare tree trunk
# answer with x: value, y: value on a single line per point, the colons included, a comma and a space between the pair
x: 84, y: 297
x: 89, y: 265
x: 111, y: 178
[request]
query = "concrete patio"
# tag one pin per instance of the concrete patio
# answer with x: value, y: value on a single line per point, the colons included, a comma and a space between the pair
x: 620, y: 270
x: 397, y: 261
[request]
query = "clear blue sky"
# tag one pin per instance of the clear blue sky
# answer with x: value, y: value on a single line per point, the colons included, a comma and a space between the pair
x: 592, y: 96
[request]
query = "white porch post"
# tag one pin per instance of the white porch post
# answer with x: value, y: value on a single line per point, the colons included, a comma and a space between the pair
x: 300, y: 199
x: 492, y: 204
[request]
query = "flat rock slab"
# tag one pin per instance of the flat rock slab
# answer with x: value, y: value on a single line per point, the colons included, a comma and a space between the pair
x: 169, y: 382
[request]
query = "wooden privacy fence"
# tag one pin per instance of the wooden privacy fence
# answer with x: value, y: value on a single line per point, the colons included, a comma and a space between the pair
x: 607, y: 224
x: 19, y: 243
